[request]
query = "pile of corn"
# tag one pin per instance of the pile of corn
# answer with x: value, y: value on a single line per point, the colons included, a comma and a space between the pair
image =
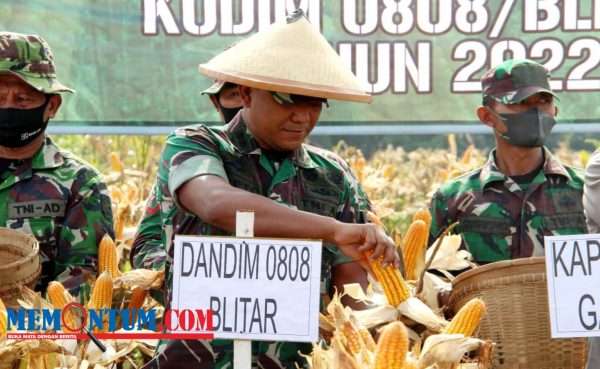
x: 411, y: 333
x: 111, y: 289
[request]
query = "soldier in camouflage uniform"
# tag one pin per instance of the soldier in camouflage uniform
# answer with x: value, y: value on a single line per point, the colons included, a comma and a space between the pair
x: 44, y: 190
x: 258, y: 161
x: 523, y: 192
x: 226, y: 100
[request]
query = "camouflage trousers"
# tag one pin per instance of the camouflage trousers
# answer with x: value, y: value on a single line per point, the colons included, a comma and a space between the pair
x: 218, y: 354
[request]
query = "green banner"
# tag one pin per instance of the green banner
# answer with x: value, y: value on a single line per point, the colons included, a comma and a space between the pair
x: 136, y: 61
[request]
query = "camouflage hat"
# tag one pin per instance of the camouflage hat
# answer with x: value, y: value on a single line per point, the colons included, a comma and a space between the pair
x: 513, y: 81
x: 217, y: 87
x: 29, y: 58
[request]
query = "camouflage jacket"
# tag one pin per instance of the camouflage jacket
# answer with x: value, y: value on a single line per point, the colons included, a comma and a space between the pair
x: 499, y: 220
x: 309, y: 179
x: 62, y: 201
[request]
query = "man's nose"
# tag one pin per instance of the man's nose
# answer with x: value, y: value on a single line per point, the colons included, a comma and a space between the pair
x: 301, y: 114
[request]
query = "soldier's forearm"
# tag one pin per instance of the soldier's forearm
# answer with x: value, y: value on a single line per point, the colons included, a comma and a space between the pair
x: 216, y: 202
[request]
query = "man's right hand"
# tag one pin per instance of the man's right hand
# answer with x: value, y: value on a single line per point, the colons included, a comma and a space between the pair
x: 354, y: 240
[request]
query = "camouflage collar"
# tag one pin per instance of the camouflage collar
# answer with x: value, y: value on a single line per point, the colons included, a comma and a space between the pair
x: 243, y: 140
x: 491, y: 173
x: 48, y: 156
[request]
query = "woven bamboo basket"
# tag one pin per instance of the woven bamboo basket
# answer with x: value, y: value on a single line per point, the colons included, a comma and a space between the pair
x: 517, y: 315
x: 19, y: 264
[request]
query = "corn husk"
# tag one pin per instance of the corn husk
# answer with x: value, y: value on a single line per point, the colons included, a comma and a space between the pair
x: 447, y: 350
x: 142, y: 278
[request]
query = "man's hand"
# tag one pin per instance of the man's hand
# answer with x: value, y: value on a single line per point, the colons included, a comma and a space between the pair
x: 354, y: 240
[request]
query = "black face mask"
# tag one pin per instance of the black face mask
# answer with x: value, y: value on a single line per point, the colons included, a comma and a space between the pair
x: 228, y: 113
x: 530, y: 128
x: 19, y: 127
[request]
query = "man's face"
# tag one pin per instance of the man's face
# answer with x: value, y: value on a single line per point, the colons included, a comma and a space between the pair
x: 542, y: 100
x: 229, y: 97
x: 15, y: 93
x: 276, y: 126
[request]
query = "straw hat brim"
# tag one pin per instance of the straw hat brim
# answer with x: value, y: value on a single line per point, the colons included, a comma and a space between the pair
x: 285, y: 86
x: 289, y: 58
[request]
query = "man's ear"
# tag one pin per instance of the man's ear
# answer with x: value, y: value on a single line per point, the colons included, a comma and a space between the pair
x: 556, y: 111
x: 245, y: 95
x: 485, y: 116
x: 53, y: 105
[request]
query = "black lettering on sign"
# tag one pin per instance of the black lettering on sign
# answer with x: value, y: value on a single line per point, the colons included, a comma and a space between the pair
x: 37, y: 208
x: 594, y: 322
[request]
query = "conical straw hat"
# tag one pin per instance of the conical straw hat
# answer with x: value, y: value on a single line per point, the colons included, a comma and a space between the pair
x: 290, y: 57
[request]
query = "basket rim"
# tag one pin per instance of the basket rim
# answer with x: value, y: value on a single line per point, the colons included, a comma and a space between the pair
x: 26, y: 238
x: 500, y: 267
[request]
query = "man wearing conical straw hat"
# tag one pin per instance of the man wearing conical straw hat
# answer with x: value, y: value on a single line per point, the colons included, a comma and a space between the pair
x: 258, y: 161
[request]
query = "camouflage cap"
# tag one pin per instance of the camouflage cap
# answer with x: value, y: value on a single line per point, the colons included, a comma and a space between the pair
x: 29, y: 58
x: 514, y: 80
x: 217, y: 87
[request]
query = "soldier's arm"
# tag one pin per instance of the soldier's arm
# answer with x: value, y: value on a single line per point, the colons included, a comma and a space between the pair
x: 438, y: 209
x: 88, y: 217
x: 148, y: 248
x: 591, y: 190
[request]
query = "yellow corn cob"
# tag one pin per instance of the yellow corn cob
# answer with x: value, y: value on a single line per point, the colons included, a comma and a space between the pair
x: 60, y: 297
x: 467, y: 318
x: 350, y: 333
x: 391, y: 347
x: 107, y: 256
x: 467, y: 155
x: 367, y: 339
x: 137, y: 298
x: 374, y: 219
x: 116, y: 195
x: 3, y: 318
x: 101, y: 297
x: 424, y: 215
x: 413, y: 247
x: 115, y: 161
x: 120, y: 214
x: 394, y: 286
x: 136, y: 302
x: 387, y: 171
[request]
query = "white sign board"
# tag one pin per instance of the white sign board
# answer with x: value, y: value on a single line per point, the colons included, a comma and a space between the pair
x: 258, y: 289
x: 573, y: 272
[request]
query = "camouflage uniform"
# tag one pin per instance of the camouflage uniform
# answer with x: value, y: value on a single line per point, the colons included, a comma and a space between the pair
x: 63, y: 202
x: 54, y: 195
x: 499, y: 220
x: 308, y: 179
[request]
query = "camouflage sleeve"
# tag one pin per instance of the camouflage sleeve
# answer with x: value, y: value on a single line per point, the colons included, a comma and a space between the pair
x: 189, y: 152
x: 438, y: 208
x: 148, y: 249
x: 355, y: 205
x: 88, y: 217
